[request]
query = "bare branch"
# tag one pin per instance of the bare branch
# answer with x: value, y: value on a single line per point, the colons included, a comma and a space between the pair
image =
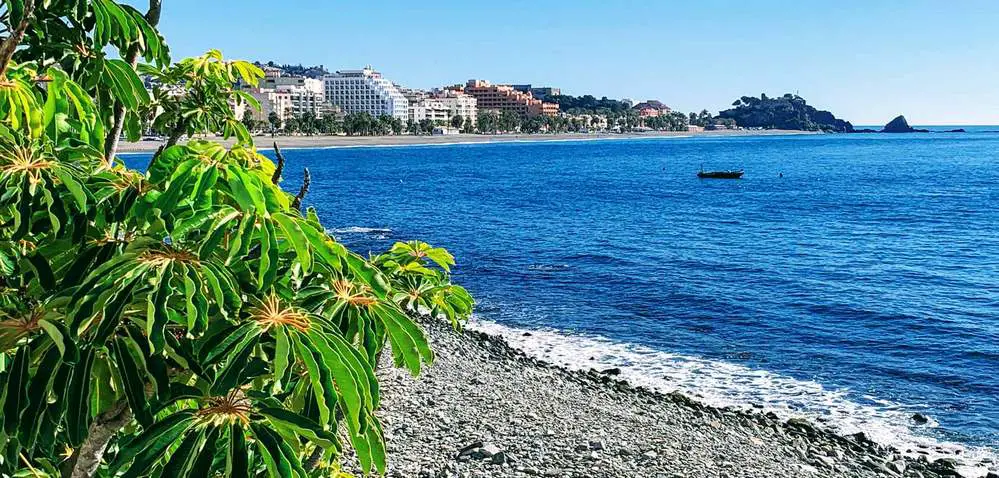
x: 280, y: 164
x: 306, y: 180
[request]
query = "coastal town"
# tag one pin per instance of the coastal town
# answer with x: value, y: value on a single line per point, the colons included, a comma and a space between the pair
x: 365, y: 102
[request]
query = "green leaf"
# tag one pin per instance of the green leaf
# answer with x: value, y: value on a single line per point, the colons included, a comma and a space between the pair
x: 74, y: 186
x: 42, y: 271
x: 203, y: 465
x: 183, y: 457
x: 132, y: 383
x: 78, y: 398
x: 155, y: 440
x: 229, y: 376
x: 17, y: 385
x: 38, y: 391
x: 294, y: 234
x: 280, y: 417
x: 238, y: 461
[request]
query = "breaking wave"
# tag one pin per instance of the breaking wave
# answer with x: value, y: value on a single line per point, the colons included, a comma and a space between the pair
x: 724, y: 384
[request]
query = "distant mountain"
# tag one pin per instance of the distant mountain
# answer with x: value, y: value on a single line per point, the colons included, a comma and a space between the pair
x: 784, y: 112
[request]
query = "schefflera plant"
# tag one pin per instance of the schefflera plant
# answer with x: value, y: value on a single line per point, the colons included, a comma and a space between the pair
x: 186, y: 320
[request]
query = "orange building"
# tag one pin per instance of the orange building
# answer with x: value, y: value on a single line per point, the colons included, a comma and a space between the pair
x: 505, y: 98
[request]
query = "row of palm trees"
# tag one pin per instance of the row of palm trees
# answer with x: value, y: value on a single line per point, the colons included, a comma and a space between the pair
x: 487, y: 122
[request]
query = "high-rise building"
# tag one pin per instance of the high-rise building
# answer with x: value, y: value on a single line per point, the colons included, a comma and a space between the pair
x: 365, y: 90
x: 506, y: 98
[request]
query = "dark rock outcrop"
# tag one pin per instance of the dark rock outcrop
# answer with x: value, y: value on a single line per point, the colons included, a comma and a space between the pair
x: 900, y: 125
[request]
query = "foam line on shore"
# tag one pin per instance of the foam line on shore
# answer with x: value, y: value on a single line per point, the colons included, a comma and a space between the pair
x: 724, y: 384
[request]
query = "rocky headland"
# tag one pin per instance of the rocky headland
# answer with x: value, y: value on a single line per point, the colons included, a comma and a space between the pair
x: 484, y: 409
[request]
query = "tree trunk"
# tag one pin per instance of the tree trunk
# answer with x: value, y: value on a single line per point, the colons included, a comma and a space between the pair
x: 132, y: 57
x: 9, y: 44
x: 86, y: 459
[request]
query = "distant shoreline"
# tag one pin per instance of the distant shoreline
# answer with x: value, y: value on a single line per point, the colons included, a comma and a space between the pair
x: 264, y: 142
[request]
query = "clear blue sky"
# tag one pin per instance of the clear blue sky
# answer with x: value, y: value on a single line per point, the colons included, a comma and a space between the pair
x: 935, y: 61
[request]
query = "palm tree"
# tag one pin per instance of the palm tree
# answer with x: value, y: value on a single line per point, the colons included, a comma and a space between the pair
x: 275, y: 122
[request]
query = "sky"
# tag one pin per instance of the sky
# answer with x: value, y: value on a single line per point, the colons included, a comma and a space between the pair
x: 936, y: 62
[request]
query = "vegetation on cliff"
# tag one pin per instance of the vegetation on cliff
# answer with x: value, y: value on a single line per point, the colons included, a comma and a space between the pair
x: 192, y: 319
x: 784, y: 112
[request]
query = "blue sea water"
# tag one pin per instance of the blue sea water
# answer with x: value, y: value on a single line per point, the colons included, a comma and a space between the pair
x: 858, y: 289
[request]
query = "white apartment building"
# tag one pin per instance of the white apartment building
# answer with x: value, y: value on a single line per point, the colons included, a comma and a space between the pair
x: 365, y: 90
x: 270, y: 101
x: 304, y: 100
x: 431, y: 109
x: 287, y: 101
x: 458, y: 103
x: 441, y: 106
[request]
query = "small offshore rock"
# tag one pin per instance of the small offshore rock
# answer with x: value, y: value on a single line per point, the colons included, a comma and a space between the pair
x: 920, y: 419
x: 611, y: 371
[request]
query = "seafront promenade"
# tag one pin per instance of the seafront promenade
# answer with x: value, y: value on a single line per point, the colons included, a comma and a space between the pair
x: 329, y: 141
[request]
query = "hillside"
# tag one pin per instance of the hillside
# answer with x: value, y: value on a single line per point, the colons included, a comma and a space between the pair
x: 783, y: 112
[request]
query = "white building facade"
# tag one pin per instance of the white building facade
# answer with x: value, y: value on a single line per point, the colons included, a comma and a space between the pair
x: 441, y: 106
x: 365, y: 90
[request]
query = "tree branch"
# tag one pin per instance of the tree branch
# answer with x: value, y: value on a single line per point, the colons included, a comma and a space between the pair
x: 280, y: 164
x: 87, y: 458
x: 306, y: 179
x: 132, y: 57
x: 9, y: 44
x: 175, y: 134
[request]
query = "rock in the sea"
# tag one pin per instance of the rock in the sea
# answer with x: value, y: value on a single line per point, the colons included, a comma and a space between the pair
x: 900, y: 125
x: 611, y: 371
x: 920, y: 419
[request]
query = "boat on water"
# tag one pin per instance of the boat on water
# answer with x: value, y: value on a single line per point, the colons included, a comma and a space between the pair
x: 733, y: 174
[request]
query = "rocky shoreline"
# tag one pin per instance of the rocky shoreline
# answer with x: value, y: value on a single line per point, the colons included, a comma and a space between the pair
x: 484, y: 409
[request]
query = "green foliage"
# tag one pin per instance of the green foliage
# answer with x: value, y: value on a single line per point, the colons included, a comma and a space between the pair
x: 784, y: 112
x: 588, y: 104
x: 196, y: 95
x: 234, y: 334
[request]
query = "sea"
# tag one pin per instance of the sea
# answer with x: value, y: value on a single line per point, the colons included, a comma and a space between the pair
x: 852, y: 280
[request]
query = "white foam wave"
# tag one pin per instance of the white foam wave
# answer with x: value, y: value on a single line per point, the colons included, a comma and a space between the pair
x: 725, y: 384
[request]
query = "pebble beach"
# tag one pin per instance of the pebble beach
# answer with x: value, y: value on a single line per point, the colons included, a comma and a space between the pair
x: 484, y: 409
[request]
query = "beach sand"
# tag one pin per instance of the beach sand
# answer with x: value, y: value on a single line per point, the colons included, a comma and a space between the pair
x: 319, y: 141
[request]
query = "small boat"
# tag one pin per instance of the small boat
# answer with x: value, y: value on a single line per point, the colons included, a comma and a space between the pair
x: 720, y: 174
